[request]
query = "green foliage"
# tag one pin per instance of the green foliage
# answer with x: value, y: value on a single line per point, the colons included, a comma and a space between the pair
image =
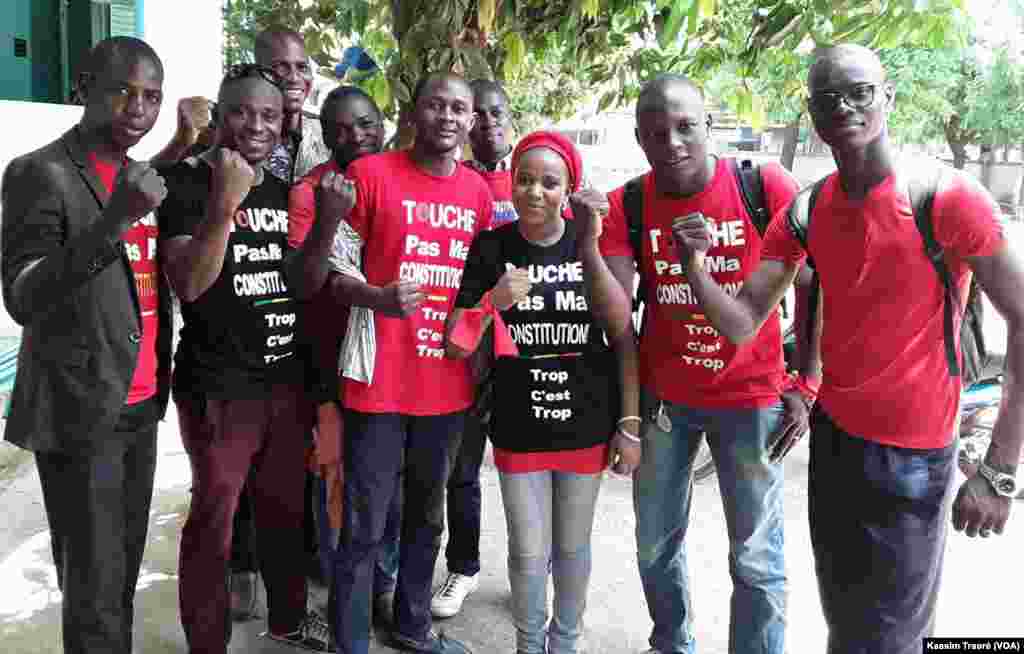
x: 995, y: 102
x: 557, y: 52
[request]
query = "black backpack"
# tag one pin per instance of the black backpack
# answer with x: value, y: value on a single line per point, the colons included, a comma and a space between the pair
x: 748, y: 178
x: 922, y: 195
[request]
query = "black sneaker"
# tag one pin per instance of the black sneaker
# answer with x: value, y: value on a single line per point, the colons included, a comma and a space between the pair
x: 433, y: 644
x: 313, y: 634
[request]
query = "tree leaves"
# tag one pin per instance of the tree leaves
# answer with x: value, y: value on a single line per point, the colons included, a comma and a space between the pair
x: 515, y: 52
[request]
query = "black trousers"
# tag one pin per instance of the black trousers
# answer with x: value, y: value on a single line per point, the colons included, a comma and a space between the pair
x: 97, y: 505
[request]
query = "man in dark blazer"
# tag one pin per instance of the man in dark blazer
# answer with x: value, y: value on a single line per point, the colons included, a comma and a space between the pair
x: 80, y: 275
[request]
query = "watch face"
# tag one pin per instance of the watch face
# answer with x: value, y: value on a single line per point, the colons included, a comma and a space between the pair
x: 1006, y: 486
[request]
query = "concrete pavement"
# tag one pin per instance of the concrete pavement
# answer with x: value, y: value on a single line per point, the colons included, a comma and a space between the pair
x: 982, y: 576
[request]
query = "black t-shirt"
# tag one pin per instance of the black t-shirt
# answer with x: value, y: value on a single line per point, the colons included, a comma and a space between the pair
x: 239, y: 336
x: 562, y: 391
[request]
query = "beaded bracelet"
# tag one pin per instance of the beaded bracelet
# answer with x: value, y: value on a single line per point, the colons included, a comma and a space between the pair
x: 629, y: 436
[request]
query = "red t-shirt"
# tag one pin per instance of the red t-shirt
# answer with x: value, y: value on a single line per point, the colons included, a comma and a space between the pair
x: 415, y: 226
x: 683, y: 359
x: 140, y: 243
x: 885, y: 375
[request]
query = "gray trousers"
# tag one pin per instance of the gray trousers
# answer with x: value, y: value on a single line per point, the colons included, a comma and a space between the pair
x: 97, y: 505
x: 550, y: 516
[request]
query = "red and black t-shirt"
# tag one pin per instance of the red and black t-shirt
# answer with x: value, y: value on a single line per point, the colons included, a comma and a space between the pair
x: 239, y: 336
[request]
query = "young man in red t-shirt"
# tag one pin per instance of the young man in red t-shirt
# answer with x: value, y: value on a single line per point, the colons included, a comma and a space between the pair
x: 353, y: 128
x: 415, y: 213
x: 492, y: 158
x: 695, y: 382
x: 883, y: 451
x: 81, y: 275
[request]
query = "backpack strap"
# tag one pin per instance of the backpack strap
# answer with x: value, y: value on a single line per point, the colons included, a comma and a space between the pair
x: 922, y: 197
x: 748, y: 178
x: 799, y: 214
x: 799, y: 219
x: 633, y: 203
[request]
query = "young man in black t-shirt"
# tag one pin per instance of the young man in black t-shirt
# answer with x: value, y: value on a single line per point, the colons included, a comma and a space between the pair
x: 238, y: 378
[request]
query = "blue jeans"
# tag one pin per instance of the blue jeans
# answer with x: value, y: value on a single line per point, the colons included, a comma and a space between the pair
x: 878, y: 558
x: 380, y: 449
x: 385, y: 571
x: 463, y: 549
x: 751, y: 489
x: 550, y: 517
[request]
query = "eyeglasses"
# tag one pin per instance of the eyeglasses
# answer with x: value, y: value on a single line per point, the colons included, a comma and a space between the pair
x: 858, y: 96
x: 241, y: 71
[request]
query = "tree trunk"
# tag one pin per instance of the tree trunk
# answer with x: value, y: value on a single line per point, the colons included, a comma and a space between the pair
x: 957, y: 140
x: 789, y: 144
x: 959, y: 155
x: 1006, y: 152
x: 987, y: 158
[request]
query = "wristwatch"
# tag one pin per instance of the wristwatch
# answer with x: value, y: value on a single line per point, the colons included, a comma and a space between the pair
x: 1003, y: 484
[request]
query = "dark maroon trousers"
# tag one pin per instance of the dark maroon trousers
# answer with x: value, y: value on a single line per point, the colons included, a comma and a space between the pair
x: 230, y: 442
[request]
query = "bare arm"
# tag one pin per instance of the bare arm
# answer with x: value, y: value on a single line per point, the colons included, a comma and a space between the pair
x: 739, y: 318
x: 193, y: 263
x: 978, y: 510
x: 808, y: 346
x: 1002, y: 278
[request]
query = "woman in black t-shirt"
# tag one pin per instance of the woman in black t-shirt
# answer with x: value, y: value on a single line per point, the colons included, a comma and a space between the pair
x: 557, y: 402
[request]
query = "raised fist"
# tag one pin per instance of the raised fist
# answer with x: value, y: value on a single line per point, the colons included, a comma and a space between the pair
x: 193, y: 114
x: 692, y: 234
x: 513, y: 287
x: 138, y: 190
x: 232, y: 177
x: 335, y: 197
x: 589, y: 208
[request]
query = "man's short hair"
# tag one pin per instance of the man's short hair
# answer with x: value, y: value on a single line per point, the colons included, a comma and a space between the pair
x: 437, y: 75
x: 125, y: 48
x: 266, y: 39
x: 341, y: 93
x: 483, y: 85
x: 652, y: 93
x: 826, y: 56
x: 240, y: 72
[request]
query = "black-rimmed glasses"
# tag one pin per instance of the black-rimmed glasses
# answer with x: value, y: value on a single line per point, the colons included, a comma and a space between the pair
x: 858, y: 96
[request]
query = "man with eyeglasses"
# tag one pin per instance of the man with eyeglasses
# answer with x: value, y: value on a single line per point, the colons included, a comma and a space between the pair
x: 302, y: 144
x: 238, y: 376
x: 883, y: 451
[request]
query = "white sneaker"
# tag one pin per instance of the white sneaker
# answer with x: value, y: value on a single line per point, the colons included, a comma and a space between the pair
x: 448, y: 598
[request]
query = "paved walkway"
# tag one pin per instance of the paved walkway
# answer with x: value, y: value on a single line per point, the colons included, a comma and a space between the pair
x: 978, y: 573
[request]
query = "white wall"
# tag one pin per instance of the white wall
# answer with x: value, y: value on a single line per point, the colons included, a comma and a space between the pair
x: 187, y: 36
